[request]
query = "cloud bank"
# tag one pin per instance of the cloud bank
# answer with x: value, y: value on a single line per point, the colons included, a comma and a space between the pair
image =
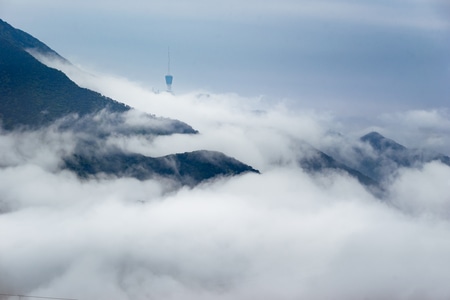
x: 282, y: 234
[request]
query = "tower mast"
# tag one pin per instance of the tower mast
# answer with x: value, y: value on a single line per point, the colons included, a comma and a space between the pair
x: 168, y: 60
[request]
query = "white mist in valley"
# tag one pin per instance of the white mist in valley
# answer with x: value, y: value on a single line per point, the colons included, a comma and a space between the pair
x: 281, y: 234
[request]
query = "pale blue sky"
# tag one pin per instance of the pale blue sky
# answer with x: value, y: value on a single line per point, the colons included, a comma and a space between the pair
x: 350, y: 57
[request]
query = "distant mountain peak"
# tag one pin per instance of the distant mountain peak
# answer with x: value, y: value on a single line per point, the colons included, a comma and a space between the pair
x: 381, y: 143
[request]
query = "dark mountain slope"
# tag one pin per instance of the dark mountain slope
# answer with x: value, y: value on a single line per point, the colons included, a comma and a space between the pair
x: 23, y: 40
x: 319, y: 162
x: 316, y: 162
x: 186, y: 168
x: 34, y: 95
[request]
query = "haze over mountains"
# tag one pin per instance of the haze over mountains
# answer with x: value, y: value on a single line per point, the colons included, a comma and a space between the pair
x: 34, y: 96
x: 99, y: 200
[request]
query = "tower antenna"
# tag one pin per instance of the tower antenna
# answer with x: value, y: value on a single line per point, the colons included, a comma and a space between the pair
x: 169, y: 77
x: 168, y: 60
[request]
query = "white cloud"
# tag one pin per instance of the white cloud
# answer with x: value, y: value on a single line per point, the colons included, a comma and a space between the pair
x: 421, y: 119
x: 424, y: 192
x: 279, y: 235
x: 282, y: 234
x: 250, y: 129
x: 420, y: 128
x: 42, y: 148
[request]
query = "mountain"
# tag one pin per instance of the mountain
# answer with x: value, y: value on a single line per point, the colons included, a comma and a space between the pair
x: 373, y: 160
x: 23, y: 40
x: 320, y: 162
x: 188, y: 168
x: 381, y: 143
x: 379, y: 157
x: 314, y: 161
x: 34, y: 96
x: 390, y: 155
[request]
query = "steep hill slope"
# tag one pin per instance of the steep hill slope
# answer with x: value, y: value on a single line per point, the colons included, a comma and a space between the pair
x: 23, y: 40
x: 33, y: 94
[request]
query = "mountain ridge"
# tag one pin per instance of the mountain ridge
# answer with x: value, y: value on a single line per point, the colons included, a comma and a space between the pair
x: 380, y: 142
x: 380, y: 158
x: 35, y: 96
x: 188, y: 168
x: 25, y: 41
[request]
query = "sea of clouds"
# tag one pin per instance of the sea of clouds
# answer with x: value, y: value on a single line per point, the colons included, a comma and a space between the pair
x: 281, y: 234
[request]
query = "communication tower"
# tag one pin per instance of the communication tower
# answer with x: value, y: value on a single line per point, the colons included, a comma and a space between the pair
x: 169, y: 78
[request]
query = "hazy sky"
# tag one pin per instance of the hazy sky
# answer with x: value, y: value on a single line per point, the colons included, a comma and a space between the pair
x: 282, y: 234
x: 352, y: 57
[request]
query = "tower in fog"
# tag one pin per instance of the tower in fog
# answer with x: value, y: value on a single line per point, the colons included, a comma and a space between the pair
x: 169, y: 78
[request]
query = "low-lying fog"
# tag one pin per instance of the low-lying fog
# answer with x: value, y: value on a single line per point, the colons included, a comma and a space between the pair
x: 281, y: 234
